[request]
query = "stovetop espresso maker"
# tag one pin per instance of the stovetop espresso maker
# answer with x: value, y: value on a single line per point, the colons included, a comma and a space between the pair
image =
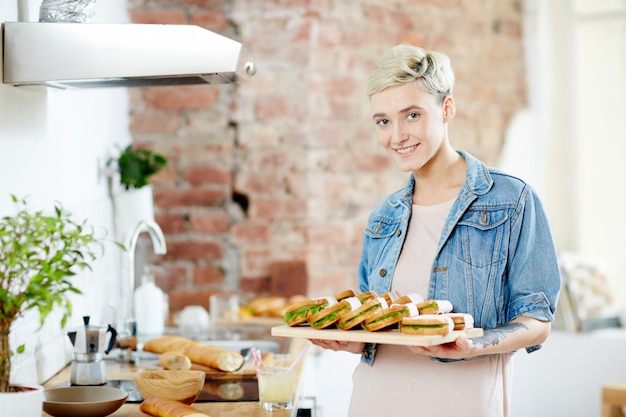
x: 90, y: 346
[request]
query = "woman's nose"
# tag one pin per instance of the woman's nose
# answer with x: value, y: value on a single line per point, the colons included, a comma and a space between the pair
x: 398, y: 135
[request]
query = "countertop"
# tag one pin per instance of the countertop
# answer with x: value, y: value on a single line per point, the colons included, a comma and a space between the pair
x: 119, y: 370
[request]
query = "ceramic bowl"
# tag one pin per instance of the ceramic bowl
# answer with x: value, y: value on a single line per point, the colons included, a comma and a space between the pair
x: 183, y: 386
x: 77, y: 401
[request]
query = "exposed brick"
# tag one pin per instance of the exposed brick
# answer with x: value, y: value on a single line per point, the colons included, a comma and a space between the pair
x: 170, y: 276
x: 209, y: 222
x: 279, y: 108
x: 169, y: 16
x: 259, y: 286
x: 189, y: 197
x: 171, y: 223
x: 154, y: 122
x: 180, y: 299
x: 256, y: 183
x: 274, y: 209
x: 193, y: 250
x: 330, y: 234
x: 256, y: 262
x: 195, y: 152
x: 199, y: 122
x: 209, y: 174
x: 209, y: 4
x: 297, y: 138
x: 373, y: 163
x: 208, y: 274
x: 167, y: 176
x: 249, y: 234
x: 181, y: 97
x: 213, y: 20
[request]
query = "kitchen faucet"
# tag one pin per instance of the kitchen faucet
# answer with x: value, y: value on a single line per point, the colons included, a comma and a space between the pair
x: 160, y: 248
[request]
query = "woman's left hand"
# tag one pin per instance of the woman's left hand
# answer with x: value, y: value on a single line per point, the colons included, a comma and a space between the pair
x: 336, y: 345
x: 461, y: 348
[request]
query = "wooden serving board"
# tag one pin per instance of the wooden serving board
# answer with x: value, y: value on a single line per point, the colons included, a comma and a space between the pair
x: 390, y: 337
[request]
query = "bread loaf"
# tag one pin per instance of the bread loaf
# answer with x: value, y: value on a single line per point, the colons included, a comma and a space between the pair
x: 197, y: 352
x: 160, y: 407
x: 174, y: 361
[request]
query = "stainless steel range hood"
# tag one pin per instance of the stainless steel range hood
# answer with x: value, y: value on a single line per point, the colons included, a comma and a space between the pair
x: 78, y: 55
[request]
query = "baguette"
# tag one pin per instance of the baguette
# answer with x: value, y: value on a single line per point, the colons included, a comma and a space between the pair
x: 213, y: 356
x: 161, y: 407
x: 174, y: 361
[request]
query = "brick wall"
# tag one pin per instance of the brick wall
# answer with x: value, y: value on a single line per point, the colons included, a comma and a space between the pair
x: 286, y: 166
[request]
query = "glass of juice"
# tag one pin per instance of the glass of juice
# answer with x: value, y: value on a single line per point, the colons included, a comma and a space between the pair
x: 275, y: 388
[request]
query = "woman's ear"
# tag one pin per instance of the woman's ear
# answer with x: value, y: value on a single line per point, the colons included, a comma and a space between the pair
x: 449, y: 108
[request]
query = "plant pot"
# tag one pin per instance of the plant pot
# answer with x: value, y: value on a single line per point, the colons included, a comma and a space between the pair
x: 131, y: 207
x: 25, y: 403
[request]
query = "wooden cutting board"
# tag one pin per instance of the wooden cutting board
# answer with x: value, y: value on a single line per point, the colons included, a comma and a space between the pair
x: 390, y: 337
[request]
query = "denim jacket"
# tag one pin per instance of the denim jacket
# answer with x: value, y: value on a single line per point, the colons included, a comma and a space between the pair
x: 495, y: 258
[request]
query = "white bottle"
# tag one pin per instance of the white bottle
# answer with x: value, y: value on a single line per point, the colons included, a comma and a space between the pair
x: 149, y: 307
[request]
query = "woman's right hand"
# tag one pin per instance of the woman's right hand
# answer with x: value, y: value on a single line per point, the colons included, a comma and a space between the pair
x: 337, y: 345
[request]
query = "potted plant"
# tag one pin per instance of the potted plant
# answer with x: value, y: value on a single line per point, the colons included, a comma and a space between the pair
x: 39, y: 254
x: 135, y: 166
x: 135, y: 201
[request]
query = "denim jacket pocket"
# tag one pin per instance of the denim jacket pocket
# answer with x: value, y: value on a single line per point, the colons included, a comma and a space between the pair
x: 482, y: 236
x: 381, y: 228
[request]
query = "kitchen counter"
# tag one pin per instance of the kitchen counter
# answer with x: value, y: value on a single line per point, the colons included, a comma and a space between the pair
x: 123, y: 371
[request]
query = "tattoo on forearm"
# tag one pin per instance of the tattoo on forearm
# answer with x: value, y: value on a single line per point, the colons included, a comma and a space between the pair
x: 492, y: 337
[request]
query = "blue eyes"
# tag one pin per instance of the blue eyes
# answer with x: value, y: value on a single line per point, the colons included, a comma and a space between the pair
x: 409, y: 116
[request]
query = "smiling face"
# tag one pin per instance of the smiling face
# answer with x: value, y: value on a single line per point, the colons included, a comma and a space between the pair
x: 412, y: 125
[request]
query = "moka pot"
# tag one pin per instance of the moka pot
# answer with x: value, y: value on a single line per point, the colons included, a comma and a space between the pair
x: 90, y: 346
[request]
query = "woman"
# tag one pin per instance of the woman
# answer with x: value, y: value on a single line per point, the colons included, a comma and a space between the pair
x: 458, y: 231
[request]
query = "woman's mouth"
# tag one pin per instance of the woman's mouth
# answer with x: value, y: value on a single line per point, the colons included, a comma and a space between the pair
x: 405, y: 150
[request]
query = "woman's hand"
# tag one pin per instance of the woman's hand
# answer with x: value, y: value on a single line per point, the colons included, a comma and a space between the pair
x: 509, y: 337
x: 337, y: 345
x: 461, y: 348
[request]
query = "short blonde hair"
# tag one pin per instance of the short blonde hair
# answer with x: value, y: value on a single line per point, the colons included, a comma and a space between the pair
x: 431, y: 70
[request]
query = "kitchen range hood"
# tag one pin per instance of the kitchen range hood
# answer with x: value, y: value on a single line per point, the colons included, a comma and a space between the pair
x: 79, y: 55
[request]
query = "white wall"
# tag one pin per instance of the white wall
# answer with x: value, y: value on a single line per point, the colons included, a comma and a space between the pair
x: 571, y: 142
x: 52, y: 144
x: 600, y: 59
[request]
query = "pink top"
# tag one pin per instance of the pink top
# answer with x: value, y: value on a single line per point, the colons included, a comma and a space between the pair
x: 402, y: 383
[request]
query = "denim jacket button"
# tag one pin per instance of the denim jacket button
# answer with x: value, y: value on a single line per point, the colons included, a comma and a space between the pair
x: 382, y: 272
x: 398, y: 232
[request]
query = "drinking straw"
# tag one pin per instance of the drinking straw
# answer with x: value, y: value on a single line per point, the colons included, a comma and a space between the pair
x: 300, y: 355
x: 256, y: 356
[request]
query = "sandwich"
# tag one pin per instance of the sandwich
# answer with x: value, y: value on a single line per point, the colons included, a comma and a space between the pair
x: 391, y: 296
x: 329, y: 315
x: 462, y: 321
x: 300, y: 311
x: 367, y: 295
x: 359, y: 312
x: 412, y: 297
x: 427, y: 325
x: 342, y: 295
x: 434, y: 306
x: 263, y: 306
x: 389, y: 317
